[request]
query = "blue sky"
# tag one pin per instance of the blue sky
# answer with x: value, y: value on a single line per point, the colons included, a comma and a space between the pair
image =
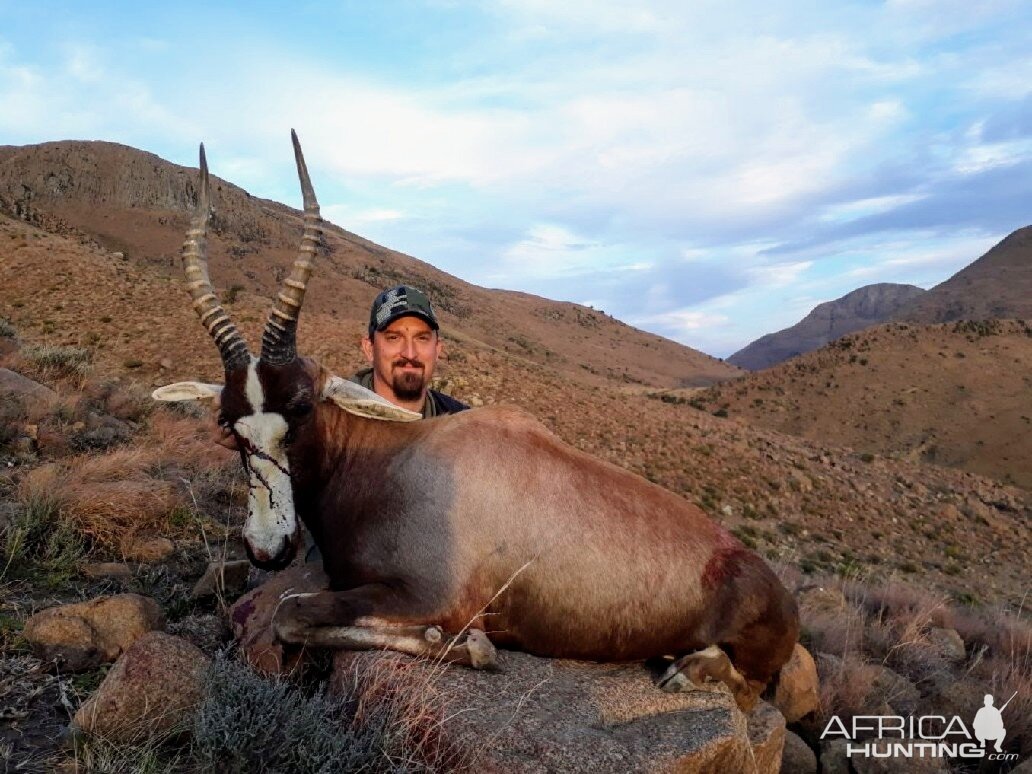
x: 709, y: 171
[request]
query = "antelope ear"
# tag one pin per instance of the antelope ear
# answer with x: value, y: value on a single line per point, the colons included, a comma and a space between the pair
x: 188, y: 391
x: 356, y: 399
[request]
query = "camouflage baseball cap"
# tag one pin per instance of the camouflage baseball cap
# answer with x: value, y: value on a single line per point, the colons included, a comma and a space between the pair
x: 398, y: 302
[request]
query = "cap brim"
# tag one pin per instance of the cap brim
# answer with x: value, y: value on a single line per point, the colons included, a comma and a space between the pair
x: 409, y: 313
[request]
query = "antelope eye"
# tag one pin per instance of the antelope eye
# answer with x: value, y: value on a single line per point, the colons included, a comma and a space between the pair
x: 221, y: 419
x: 300, y: 409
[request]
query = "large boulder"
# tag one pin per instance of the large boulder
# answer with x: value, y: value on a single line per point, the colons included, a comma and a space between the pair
x: 84, y: 635
x: 251, y: 616
x: 543, y: 715
x: 13, y: 383
x: 896, y: 690
x: 947, y: 644
x: 797, y: 757
x: 151, y: 690
x: 798, y: 689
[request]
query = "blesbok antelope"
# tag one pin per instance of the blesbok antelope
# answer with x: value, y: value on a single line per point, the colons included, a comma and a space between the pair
x: 482, y: 518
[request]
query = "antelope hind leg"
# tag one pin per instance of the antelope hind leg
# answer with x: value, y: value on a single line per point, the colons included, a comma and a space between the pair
x: 374, y: 617
x: 713, y: 663
x: 476, y: 650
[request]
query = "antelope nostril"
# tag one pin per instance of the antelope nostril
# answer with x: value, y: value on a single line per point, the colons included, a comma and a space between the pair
x: 265, y: 560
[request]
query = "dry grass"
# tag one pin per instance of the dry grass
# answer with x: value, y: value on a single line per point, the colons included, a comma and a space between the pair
x: 398, y: 700
x: 51, y: 363
x: 114, y: 496
x: 889, y: 624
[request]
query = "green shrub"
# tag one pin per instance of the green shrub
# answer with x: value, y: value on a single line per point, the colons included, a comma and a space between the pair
x: 40, y: 544
x: 6, y: 329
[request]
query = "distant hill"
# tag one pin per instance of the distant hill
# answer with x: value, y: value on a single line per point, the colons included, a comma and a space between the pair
x: 998, y: 285
x: 135, y: 203
x: 954, y: 394
x: 862, y: 308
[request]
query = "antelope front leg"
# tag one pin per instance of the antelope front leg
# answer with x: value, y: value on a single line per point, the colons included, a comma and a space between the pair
x: 374, y: 617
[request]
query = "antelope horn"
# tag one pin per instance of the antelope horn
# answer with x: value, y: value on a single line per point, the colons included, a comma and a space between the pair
x: 279, y: 341
x: 231, y: 344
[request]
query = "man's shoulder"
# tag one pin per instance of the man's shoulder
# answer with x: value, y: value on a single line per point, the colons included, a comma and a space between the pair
x: 446, y: 404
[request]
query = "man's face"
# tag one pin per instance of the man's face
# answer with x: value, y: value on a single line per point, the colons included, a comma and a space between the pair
x: 404, y: 355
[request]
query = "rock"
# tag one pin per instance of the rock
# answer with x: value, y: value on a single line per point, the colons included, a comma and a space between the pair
x: 106, y: 570
x: 797, y: 757
x: 151, y: 689
x: 14, y: 383
x: 544, y: 715
x: 798, y: 689
x: 251, y: 618
x: 766, y: 736
x: 165, y: 364
x: 833, y: 757
x: 947, y: 644
x: 821, y: 599
x: 84, y: 635
x: 895, y: 689
x: 9, y: 513
x: 221, y: 577
x: 148, y: 549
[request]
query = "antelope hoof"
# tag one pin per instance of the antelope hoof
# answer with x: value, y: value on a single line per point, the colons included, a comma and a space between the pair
x: 482, y: 653
x: 433, y: 634
x: 674, y: 680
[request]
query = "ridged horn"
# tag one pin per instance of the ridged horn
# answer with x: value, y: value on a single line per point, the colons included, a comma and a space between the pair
x: 231, y: 344
x: 279, y: 341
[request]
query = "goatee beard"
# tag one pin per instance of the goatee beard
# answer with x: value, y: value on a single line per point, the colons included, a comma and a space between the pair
x: 408, y: 385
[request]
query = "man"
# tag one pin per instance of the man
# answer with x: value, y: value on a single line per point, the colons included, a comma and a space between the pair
x: 402, y: 345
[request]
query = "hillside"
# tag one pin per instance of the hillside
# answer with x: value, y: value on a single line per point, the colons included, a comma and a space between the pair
x: 997, y: 285
x: 802, y: 503
x: 862, y: 308
x: 954, y: 394
x: 134, y: 203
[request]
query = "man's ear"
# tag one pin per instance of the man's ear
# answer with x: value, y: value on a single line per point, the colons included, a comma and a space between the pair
x: 188, y: 391
x: 356, y: 399
x: 367, y: 348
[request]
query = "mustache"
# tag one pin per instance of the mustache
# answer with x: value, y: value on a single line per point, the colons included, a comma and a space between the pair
x: 404, y: 361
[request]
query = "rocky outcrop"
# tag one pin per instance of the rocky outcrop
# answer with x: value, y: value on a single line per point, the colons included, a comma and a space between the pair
x: 542, y: 715
x: 86, y: 634
x: 151, y: 689
x: 864, y: 307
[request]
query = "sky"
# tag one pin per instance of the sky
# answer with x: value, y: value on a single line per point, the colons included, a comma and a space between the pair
x: 707, y: 171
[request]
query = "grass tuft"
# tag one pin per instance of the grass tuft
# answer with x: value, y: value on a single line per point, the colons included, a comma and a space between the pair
x: 40, y: 544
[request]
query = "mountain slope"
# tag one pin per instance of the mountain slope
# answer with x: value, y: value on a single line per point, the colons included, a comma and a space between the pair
x: 862, y: 308
x: 137, y: 204
x: 997, y: 285
x: 956, y: 394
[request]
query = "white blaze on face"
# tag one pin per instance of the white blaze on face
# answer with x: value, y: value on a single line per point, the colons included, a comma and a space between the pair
x: 270, y: 506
